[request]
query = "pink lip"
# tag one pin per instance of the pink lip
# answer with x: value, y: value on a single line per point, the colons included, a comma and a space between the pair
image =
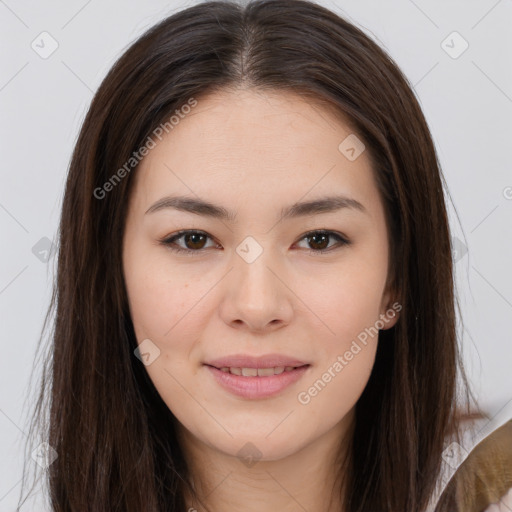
x: 246, y: 361
x: 257, y: 387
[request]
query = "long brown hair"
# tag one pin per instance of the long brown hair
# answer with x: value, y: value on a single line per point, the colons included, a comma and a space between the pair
x: 97, y: 408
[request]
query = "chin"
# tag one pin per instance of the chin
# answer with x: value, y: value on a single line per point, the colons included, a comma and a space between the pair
x: 259, y: 448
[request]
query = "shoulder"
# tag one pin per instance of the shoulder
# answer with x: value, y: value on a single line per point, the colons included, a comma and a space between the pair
x: 477, y: 471
x: 486, y: 474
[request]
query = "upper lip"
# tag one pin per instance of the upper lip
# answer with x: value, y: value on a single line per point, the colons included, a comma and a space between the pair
x: 247, y: 361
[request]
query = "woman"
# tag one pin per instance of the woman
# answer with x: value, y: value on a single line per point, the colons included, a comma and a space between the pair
x: 255, y: 306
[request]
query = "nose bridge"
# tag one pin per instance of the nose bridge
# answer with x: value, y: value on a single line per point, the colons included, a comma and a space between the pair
x: 257, y: 297
x: 252, y: 267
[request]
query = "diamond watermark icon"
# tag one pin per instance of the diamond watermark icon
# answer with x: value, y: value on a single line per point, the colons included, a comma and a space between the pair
x: 44, y: 45
x: 454, y: 45
x: 147, y: 352
x: 249, y: 454
x: 249, y: 249
x: 43, y: 249
x: 454, y: 454
x: 44, y: 455
x: 459, y: 249
x: 351, y: 147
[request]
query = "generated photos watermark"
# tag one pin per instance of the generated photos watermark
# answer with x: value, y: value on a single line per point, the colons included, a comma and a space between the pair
x: 304, y: 397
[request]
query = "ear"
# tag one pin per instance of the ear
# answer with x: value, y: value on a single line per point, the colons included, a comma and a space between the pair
x: 390, y: 308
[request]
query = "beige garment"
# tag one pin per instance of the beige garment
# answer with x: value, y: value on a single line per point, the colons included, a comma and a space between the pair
x: 504, y: 505
x: 485, y: 476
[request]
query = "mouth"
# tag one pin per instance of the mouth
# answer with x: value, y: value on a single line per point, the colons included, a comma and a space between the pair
x: 257, y: 372
x: 256, y: 383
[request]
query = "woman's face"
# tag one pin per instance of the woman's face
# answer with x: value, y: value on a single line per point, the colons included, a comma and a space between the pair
x: 252, y: 283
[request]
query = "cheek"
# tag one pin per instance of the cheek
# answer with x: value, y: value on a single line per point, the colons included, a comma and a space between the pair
x: 162, y: 298
x: 165, y: 308
x: 346, y: 345
x: 344, y: 304
x: 336, y: 386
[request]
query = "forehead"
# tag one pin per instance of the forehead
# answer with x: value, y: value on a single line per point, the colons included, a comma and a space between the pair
x: 256, y: 117
x: 259, y: 146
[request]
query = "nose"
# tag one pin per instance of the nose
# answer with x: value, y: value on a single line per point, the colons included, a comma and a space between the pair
x: 256, y: 295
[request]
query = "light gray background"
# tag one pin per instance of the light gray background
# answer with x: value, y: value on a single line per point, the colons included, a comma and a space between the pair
x: 467, y: 102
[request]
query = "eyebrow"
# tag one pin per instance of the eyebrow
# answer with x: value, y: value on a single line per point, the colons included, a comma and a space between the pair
x: 201, y: 207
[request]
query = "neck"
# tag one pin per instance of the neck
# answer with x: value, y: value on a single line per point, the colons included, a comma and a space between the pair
x: 312, y: 478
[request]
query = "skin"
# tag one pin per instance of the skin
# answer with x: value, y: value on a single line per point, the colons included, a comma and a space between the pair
x: 255, y: 153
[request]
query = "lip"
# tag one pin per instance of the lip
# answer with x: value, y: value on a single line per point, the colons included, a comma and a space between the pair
x: 257, y: 387
x: 247, y: 361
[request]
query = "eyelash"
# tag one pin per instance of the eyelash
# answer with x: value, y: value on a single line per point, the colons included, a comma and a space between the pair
x: 169, y: 241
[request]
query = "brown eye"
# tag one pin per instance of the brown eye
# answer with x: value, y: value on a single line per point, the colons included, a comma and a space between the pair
x: 193, y: 241
x: 318, y: 241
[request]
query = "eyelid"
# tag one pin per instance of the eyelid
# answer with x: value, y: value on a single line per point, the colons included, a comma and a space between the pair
x: 169, y: 240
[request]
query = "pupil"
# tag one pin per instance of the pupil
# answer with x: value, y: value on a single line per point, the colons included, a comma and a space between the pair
x: 194, y: 239
x: 322, y: 235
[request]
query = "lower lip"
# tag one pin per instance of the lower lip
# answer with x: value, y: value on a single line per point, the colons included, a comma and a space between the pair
x: 257, y: 387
